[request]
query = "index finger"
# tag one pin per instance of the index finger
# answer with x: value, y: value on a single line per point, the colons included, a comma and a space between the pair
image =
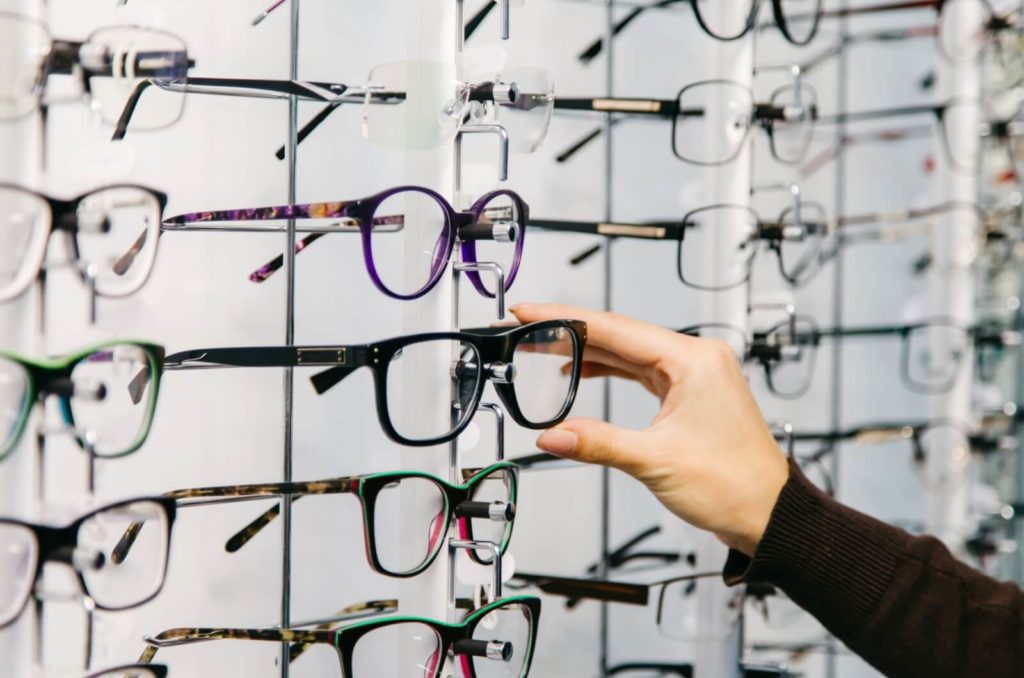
x: 634, y: 340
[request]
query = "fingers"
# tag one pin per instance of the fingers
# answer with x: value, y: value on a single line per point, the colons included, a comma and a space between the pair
x: 596, y: 442
x: 633, y: 340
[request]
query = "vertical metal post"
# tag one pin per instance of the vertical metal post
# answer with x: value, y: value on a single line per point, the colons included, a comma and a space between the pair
x: 289, y: 337
x: 606, y: 396
x: 952, y: 289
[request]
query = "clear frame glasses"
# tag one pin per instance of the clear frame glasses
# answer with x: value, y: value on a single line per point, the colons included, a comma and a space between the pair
x: 535, y: 370
x: 482, y: 508
x: 98, y: 227
x: 428, y: 225
x: 106, y: 408
x: 107, y: 581
x: 108, y: 64
x: 496, y: 640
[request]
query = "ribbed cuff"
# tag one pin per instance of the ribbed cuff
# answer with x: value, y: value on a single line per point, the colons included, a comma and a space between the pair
x: 823, y: 555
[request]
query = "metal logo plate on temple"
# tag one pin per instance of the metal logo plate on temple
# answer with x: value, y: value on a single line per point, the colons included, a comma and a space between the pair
x: 322, y: 356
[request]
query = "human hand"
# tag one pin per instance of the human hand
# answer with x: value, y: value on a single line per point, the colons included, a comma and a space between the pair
x: 707, y: 456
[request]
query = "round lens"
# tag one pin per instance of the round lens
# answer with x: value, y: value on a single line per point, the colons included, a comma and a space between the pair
x: 502, y: 214
x: 800, y: 18
x: 680, y: 616
x: 24, y: 231
x: 791, y: 136
x: 14, y: 404
x: 425, y: 374
x: 508, y: 633
x: 400, y: 649
x: 19, y: 558
x: 402, y: 551
x: 113, y: 399
x: 527, y: 116
x: 933, y: 354
x: 132, y: 576
x: 803, y: 232
x: 412, y: 105
x: 498, y: 487
x: 713, y: 120
x: 544, y: 363
x: 24, y: 45
x: 725, y: 20
x: 724, y: 234
x: 118, y: 230
x: 408, y: 260
x: 119, y: 59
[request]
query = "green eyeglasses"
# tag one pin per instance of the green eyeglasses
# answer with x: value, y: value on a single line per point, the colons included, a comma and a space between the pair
x: 102, y: 411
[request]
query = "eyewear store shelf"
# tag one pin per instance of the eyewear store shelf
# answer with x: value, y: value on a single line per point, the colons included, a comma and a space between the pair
x: 831, y: 187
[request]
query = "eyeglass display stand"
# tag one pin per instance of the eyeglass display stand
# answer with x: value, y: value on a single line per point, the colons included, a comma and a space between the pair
x: 951, y: 286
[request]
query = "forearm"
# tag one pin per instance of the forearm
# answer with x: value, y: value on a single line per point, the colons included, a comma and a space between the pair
x: 903, y: 603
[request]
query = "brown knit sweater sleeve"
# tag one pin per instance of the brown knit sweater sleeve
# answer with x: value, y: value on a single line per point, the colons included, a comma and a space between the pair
x: 903, y: 603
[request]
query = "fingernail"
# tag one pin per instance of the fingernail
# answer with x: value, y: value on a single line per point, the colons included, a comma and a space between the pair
x: 520, y: 307
x: 558, y: 441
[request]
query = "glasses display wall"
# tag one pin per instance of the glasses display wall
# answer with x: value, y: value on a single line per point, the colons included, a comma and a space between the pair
x: 829, y: 186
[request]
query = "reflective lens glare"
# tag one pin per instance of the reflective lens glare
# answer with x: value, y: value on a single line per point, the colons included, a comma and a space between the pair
x: 403, y: 649
x: 138, y: 577
x: 932, y: 355
x: 435, y: 367
x: 423, y: 500
x: 24, y: 45
x: 118, y: 229
x: 732, y: 232
x: 713, y: 120
x: 498, y: 486
x: 527, y: 118
x: 413, y: 105
x: 791, y: 136
x: 544, y: 362
x: 24, y: 232
x: 501, y: 212
x: 19, y: 558
x: 802, y: 238
x: 408, y: 261
x: 509, y: 627
x: 110, y: 408
x: 678, y: 616
x: 725, y: 21
x: 14, y: 404
x: 118, y: 58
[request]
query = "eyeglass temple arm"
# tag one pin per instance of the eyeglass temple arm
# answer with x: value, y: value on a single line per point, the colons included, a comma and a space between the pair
x: 623, y: 106
x: 881, y: 113
x: 614, y: 557
x: 204, y: 496
x: 186, y: 635
x: 574, y: 588
x: 370, y: 608
x: 326, y: 112
x: 644, y: 230
x: 265, y: 13
x: 596, y: 47
x: 474, y: 23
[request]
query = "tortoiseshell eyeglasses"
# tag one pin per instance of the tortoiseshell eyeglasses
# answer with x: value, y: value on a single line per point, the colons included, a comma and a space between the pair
x: 483, y: 508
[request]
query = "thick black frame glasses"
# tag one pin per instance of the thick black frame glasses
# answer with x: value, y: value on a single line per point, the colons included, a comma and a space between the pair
x: 779, y: 14
x: 796, y: 238
x: 106, y: 581
x: 472, y: 642
x: 518, y: 361
x: 482, y: 508
x: 725, y: 110
x: 96, y: 225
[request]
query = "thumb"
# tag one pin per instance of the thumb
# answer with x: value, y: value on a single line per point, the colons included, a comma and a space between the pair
x: 595, y: 442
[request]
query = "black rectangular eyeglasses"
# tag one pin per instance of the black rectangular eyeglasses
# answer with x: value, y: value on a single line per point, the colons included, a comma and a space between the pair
x: 534, y: 368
